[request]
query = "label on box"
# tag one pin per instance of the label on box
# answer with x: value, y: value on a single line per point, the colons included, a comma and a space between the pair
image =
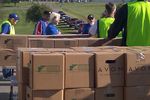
x: 79, y: 67
x: 48, y: 68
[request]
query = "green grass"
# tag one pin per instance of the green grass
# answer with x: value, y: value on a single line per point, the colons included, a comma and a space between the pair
x: 78, y: 10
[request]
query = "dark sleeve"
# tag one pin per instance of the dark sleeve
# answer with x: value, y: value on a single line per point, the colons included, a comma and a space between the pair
x: 5, y: 28
x: 119, y: 23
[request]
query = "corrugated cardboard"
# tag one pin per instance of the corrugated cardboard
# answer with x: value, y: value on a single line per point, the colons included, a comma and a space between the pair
x: 86, y: 49
x: 60, y: 50
x: 82, y: 42
x: 23, y: 63
x: 79, y: 70
x: 109, y: 93
x: 8, y: 57
x: 79, y: 94
x: 65, y: 43
x: 115, y: 42
x: 138, y: 68
x: 41, y: 43
x: 47, y: 71
x: 137, y: 93
x: 22, y: 91
x: 13, y: 42
x: 109, y: 69
x: 44, y: 94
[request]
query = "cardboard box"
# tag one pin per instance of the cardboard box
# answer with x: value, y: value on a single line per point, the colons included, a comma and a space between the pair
x: 79, y: 70
x: 115, y: 42
x: 66, y: 43
x: 41, y: 43
x: 79, y: 94
x: 109, y: 93
x: 23, y: 63
x: 109, y: 69
x: 83, y: 42
x: 86, y: 49
x: 60, y: 50
x: 44, y: 94
x: 8, y: 57
x: 137, y: 93
x: 137, y: 71
x: 22, y: 91
x: 13, y: 42
x: 47, y: 71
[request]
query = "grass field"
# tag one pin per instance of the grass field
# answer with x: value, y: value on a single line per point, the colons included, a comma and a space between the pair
x: 78, y: 10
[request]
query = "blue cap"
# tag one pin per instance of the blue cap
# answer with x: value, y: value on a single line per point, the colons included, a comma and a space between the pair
x: 13, y: 15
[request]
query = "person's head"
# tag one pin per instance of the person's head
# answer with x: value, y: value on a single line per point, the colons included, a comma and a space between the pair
x: 46, y: 15
x: 110, y: 9
x: 13, y: 18
x: 90, y: 19
x: 54, y: 18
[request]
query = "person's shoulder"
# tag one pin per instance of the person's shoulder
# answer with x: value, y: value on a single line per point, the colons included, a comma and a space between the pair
x: 5, y: 25
x: 51, y: 25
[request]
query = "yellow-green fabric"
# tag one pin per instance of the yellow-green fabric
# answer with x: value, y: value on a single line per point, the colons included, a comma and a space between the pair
x: 104, y: 24
x: 12, y: 29
x: 138, y: 24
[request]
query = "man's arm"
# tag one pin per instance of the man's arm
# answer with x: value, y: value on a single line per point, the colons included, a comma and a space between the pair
x: 5, y: 29
x: 38, y: 29
x: 93, y: 29
x: 119, y: 23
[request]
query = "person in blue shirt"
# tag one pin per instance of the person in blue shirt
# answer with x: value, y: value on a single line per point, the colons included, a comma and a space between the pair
x: 87, y: 26
x: 51, y: 28
x: 7, y: 27
x: 41, y: 25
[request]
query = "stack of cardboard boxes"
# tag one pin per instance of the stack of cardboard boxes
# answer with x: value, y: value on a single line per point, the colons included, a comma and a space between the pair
x: 8, y: 49
x: 86, y: 73
x: 137, y: 74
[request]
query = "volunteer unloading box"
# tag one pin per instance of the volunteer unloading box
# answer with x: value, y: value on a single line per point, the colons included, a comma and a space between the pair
x: 46, y: 71
x: 44, y: 94
x: 79, y: 94
x: 41, y: 43
x: 109, y: 69
x: 109, y: 93
x: 79, y: 70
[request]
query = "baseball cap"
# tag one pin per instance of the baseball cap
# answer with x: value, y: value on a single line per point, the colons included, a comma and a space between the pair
x: 90, y: 17
x: 13, y: 15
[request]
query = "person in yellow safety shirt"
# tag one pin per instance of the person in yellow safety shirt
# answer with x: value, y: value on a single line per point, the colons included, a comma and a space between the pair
x: 7, y: 27
x: 134, y: 18
x: 102, y: 25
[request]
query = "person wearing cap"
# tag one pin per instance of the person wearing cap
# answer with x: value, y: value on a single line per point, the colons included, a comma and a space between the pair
x: 7, y: 27
x: 40, y: 27
x: 87, y: 26
x: 101, y: 26
x: 134, y: 18
x: 51, y: 28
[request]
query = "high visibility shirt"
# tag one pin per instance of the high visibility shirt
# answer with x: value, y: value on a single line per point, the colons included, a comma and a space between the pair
x: 7, y: 28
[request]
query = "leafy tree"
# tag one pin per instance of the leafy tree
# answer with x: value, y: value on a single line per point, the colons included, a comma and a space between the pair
x: 34, y: 13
